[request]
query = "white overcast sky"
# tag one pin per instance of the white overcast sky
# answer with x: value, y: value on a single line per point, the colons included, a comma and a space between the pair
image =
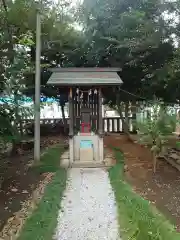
x: 74, y: 2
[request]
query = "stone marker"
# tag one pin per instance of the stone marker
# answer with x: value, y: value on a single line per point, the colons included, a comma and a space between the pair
x: 86, y: 151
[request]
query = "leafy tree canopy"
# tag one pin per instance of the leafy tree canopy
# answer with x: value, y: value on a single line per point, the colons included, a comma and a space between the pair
x: 133, y: 35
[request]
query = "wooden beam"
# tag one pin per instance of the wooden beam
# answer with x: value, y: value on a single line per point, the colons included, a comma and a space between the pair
x: 71, y: 128
x: 100, y: 120
x: 81, y: 69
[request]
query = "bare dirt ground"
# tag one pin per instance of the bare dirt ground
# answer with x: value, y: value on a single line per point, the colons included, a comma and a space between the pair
x: 20, y: 180
x: 161, y: 188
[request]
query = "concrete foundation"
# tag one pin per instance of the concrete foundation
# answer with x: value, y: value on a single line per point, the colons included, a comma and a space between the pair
x: 86, y: 150
x: 71, y: 150
x: 108, y: 161
x: 92, y: 152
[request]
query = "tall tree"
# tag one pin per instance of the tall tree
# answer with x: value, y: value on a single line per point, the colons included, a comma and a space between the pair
x: 134, y: 36
x: 129, y: 34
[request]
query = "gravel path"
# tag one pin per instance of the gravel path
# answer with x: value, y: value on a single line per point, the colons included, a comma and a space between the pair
x: 88, y: 207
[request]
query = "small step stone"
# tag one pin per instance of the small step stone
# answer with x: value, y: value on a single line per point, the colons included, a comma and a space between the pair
x: 174, y: 156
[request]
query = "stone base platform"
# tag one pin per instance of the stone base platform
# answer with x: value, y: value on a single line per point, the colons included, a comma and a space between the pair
x: 87, y: 165
x: 108, y: 162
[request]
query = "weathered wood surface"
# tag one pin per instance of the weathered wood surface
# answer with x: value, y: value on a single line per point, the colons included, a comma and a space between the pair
x: 172, y: 156
x: 110, y: 124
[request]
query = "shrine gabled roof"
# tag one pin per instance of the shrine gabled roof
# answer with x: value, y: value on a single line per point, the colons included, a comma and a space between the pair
x: 84, y: 76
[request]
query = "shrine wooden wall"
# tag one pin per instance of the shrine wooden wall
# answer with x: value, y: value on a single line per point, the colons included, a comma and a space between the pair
x: 110, y: 124
x: 85, y: 99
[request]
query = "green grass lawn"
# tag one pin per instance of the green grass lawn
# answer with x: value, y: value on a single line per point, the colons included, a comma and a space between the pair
x: 42, y: 223
x: 138, y: 219
x: 50, y: 161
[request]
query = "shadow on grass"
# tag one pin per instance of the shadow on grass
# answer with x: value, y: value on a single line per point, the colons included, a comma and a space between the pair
x: 42, y: 223
x: 50, y: 161
x: 138, y: 219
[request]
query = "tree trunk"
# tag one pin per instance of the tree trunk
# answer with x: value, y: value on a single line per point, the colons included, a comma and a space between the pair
x: 21, y: 127
x: 127, y: 115
x: 154, y: 162
x: 63, y: 114
x: 9, y: 32
x: 124, y: 124
x: 14, y: 150
x: 63, y: 118
x: 17, y: 121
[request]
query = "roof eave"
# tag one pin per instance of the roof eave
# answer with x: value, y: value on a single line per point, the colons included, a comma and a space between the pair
x: 84, y: 84
x: 95, y: 69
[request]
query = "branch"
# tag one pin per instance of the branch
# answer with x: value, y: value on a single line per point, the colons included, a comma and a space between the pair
x: 8, y: 27
x: 5, y: 6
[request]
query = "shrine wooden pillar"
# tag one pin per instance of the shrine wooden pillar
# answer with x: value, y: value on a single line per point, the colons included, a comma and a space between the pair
x: 100, y: 117
x: 100, y: 127
x: 86, y: 105
x: 71, y: 132
x: 71, y: 128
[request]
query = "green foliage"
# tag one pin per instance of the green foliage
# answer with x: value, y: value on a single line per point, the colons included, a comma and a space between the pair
x: 129, y: 34
x: 138, y: 219
x: 42, y: 222
x: 13, y: 77
x: 17, y: 55
x: 132, y: 35
x: 154, y: 130
x: 49, y: 161
x: 178, y: 145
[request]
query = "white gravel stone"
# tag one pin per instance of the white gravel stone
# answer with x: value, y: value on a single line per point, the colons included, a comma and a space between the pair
x: 88, y: 208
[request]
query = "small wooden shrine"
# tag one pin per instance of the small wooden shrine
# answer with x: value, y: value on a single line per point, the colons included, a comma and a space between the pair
x: 86, y: 128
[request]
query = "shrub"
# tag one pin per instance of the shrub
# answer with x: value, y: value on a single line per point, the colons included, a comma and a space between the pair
x: 48, y: 129
x: 154, y: 131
